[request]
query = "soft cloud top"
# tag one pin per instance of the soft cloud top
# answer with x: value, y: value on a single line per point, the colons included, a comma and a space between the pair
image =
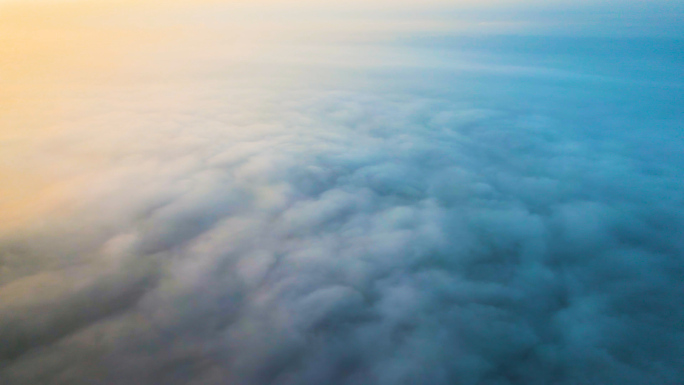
x: 450, y: 210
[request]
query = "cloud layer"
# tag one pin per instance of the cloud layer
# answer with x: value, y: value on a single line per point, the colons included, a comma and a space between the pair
x: 349, y: 238
x: 472, y: 211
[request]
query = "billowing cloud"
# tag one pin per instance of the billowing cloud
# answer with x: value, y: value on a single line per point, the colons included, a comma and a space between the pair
x: 491, y: 223
x: 356, y: 239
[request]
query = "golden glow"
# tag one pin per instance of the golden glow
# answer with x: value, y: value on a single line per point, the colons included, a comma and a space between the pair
x: 60, y: 58
x: 48, y: 54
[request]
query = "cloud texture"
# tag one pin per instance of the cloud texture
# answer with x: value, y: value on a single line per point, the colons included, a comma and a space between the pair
x: 494, y: 227
x: 351, y: 238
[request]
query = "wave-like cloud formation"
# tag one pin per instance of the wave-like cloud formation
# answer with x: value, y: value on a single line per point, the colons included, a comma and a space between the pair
x: 353, y: 238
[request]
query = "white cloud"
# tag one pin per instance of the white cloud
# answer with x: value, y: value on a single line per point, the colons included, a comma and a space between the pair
x: 344, y: 238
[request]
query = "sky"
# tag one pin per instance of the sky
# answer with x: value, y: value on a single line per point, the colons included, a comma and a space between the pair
x: 360, y: 192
